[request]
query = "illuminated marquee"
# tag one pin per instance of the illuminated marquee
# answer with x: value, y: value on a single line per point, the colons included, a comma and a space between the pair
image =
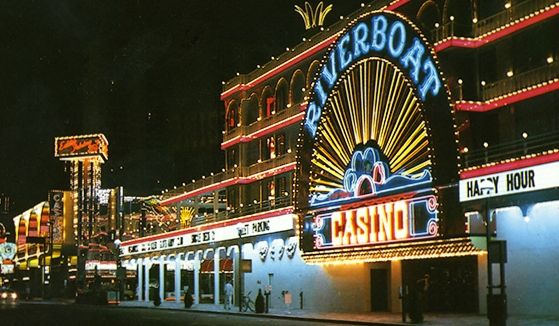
x: 81, y: 146
x: 377, y: 144
x: 193, y: 236
x: 380, y: 223
x: 380, y: 34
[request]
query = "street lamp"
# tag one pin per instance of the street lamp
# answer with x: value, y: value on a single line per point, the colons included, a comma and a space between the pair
x: 117, y: 243
x: 240, y: 227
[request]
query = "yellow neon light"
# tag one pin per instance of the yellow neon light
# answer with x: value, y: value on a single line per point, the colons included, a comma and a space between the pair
x: 373, y: 101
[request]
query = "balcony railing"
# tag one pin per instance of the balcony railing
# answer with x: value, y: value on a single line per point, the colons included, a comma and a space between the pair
x: 491, y: 23
x: 270, y: 164
x: 277, y: 117
x: 515, y: 12
x: 207, y: 181
x: 263, y: 123
x: 263, y: 206
x: 520, y: 81
x: 266, y: 205
x: 237, y: 131
x: 513, y: 149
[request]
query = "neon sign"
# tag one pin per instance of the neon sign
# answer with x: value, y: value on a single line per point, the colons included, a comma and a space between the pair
x: 375, y: 224
x: 382, y: 35
x: 368, y: 175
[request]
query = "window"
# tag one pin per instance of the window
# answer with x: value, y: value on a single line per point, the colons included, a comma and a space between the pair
x: 269, y: 148
x: 232, y: 159
x: 282, y: 186
x: 281, y: 148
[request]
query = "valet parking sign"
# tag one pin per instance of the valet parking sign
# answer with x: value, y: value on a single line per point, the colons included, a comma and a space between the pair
x: 526, y: 179
x: 191, y: 237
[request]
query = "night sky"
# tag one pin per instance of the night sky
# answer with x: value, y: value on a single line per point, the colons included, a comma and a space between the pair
x: 147, y: 74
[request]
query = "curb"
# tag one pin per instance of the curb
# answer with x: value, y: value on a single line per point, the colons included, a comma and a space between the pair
x: 273, y: 316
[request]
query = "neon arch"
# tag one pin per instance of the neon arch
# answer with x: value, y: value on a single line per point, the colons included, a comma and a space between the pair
x: 379, y: 98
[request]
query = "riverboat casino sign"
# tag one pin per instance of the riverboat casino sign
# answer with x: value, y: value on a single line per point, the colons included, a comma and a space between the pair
x: 381, y: 34
x: 376, y: 198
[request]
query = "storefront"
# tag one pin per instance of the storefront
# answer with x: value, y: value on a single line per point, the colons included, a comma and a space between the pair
x: 378, y: 157
x: 521, y: 199
x: 199, y: 260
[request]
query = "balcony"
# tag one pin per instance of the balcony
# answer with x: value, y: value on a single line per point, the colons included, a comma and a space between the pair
x: 520, y: 81
x: 238, y: 131
x: 515, y: 12
x: 264, y: 206
x: 514, y: 149
x: 491, y: 23
x: 277, y: 117
x: 263, y: 123
x: 204, y: 182
x: 270, y: 164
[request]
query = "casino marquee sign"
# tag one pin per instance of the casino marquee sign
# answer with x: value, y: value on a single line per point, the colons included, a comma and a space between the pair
x: 376, y: 143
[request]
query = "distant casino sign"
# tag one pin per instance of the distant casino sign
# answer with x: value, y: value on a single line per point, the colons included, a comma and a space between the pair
x: 80, y: 146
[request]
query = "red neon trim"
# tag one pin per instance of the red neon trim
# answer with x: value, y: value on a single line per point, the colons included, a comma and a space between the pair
x: 199, y: 191
x: 507, y: 100
x: 205, y: 227
x: 471, y: 43
x: 284, y: 66
x: 397, y: 4
x: 519, y: 164
x: 269, y: 173
x: 264, y: 131
x: 538, y: 17
x: 230, y: 182
x: 458, y: 42
x: 231, y: 142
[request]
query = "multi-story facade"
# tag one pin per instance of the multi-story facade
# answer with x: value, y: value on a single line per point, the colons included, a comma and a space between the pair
x: 366, y: 161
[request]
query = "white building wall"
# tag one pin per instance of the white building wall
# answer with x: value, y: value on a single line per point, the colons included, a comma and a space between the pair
x: 339, y: 287
x: 532, y: 271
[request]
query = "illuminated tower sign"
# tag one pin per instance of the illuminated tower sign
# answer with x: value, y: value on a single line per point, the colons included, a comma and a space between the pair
x: 84, y: 155
x: 377, y: 143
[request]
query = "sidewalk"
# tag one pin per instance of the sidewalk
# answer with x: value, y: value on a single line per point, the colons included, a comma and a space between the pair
x: 353, y: 318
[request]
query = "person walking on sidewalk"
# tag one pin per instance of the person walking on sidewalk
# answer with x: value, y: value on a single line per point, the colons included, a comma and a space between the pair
x: 228, y: 295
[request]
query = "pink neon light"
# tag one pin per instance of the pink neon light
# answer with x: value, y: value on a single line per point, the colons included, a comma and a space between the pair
x: 200, y: 191
x: 298, y: 58
x: 264, y: 131
x: 231, y: 142
x: 210, y: 226
x: 495, y: 35
x: 507, y: 100
x: 458, y: 42
x: 230, y: 182
x: 397, y: 4
x: 519, y: 164
x: 289, y: 63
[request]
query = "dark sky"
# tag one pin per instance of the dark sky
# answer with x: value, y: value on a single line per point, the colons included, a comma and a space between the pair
x: 147, y: 74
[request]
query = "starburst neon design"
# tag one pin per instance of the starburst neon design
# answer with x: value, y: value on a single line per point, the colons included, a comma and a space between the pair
x: 372, y: 103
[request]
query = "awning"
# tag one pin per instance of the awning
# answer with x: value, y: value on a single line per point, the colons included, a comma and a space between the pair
x: 419, y: 250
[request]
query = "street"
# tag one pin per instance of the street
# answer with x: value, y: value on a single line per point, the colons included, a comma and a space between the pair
x: 39, y: 313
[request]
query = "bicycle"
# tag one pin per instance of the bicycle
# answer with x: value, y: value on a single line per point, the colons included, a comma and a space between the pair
x: 248, y: 304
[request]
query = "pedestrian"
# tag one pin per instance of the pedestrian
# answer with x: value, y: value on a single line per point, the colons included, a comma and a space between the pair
x: 228, y: 295
x: 259, y: 303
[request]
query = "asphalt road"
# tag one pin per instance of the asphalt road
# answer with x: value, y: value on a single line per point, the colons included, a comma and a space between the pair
x: 46, y: 314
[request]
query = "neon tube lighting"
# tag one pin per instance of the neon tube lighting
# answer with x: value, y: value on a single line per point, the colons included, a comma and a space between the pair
x: 465, y: 42
x: 229, y: 182
x: 264, y: 131
x: 512, y: 98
